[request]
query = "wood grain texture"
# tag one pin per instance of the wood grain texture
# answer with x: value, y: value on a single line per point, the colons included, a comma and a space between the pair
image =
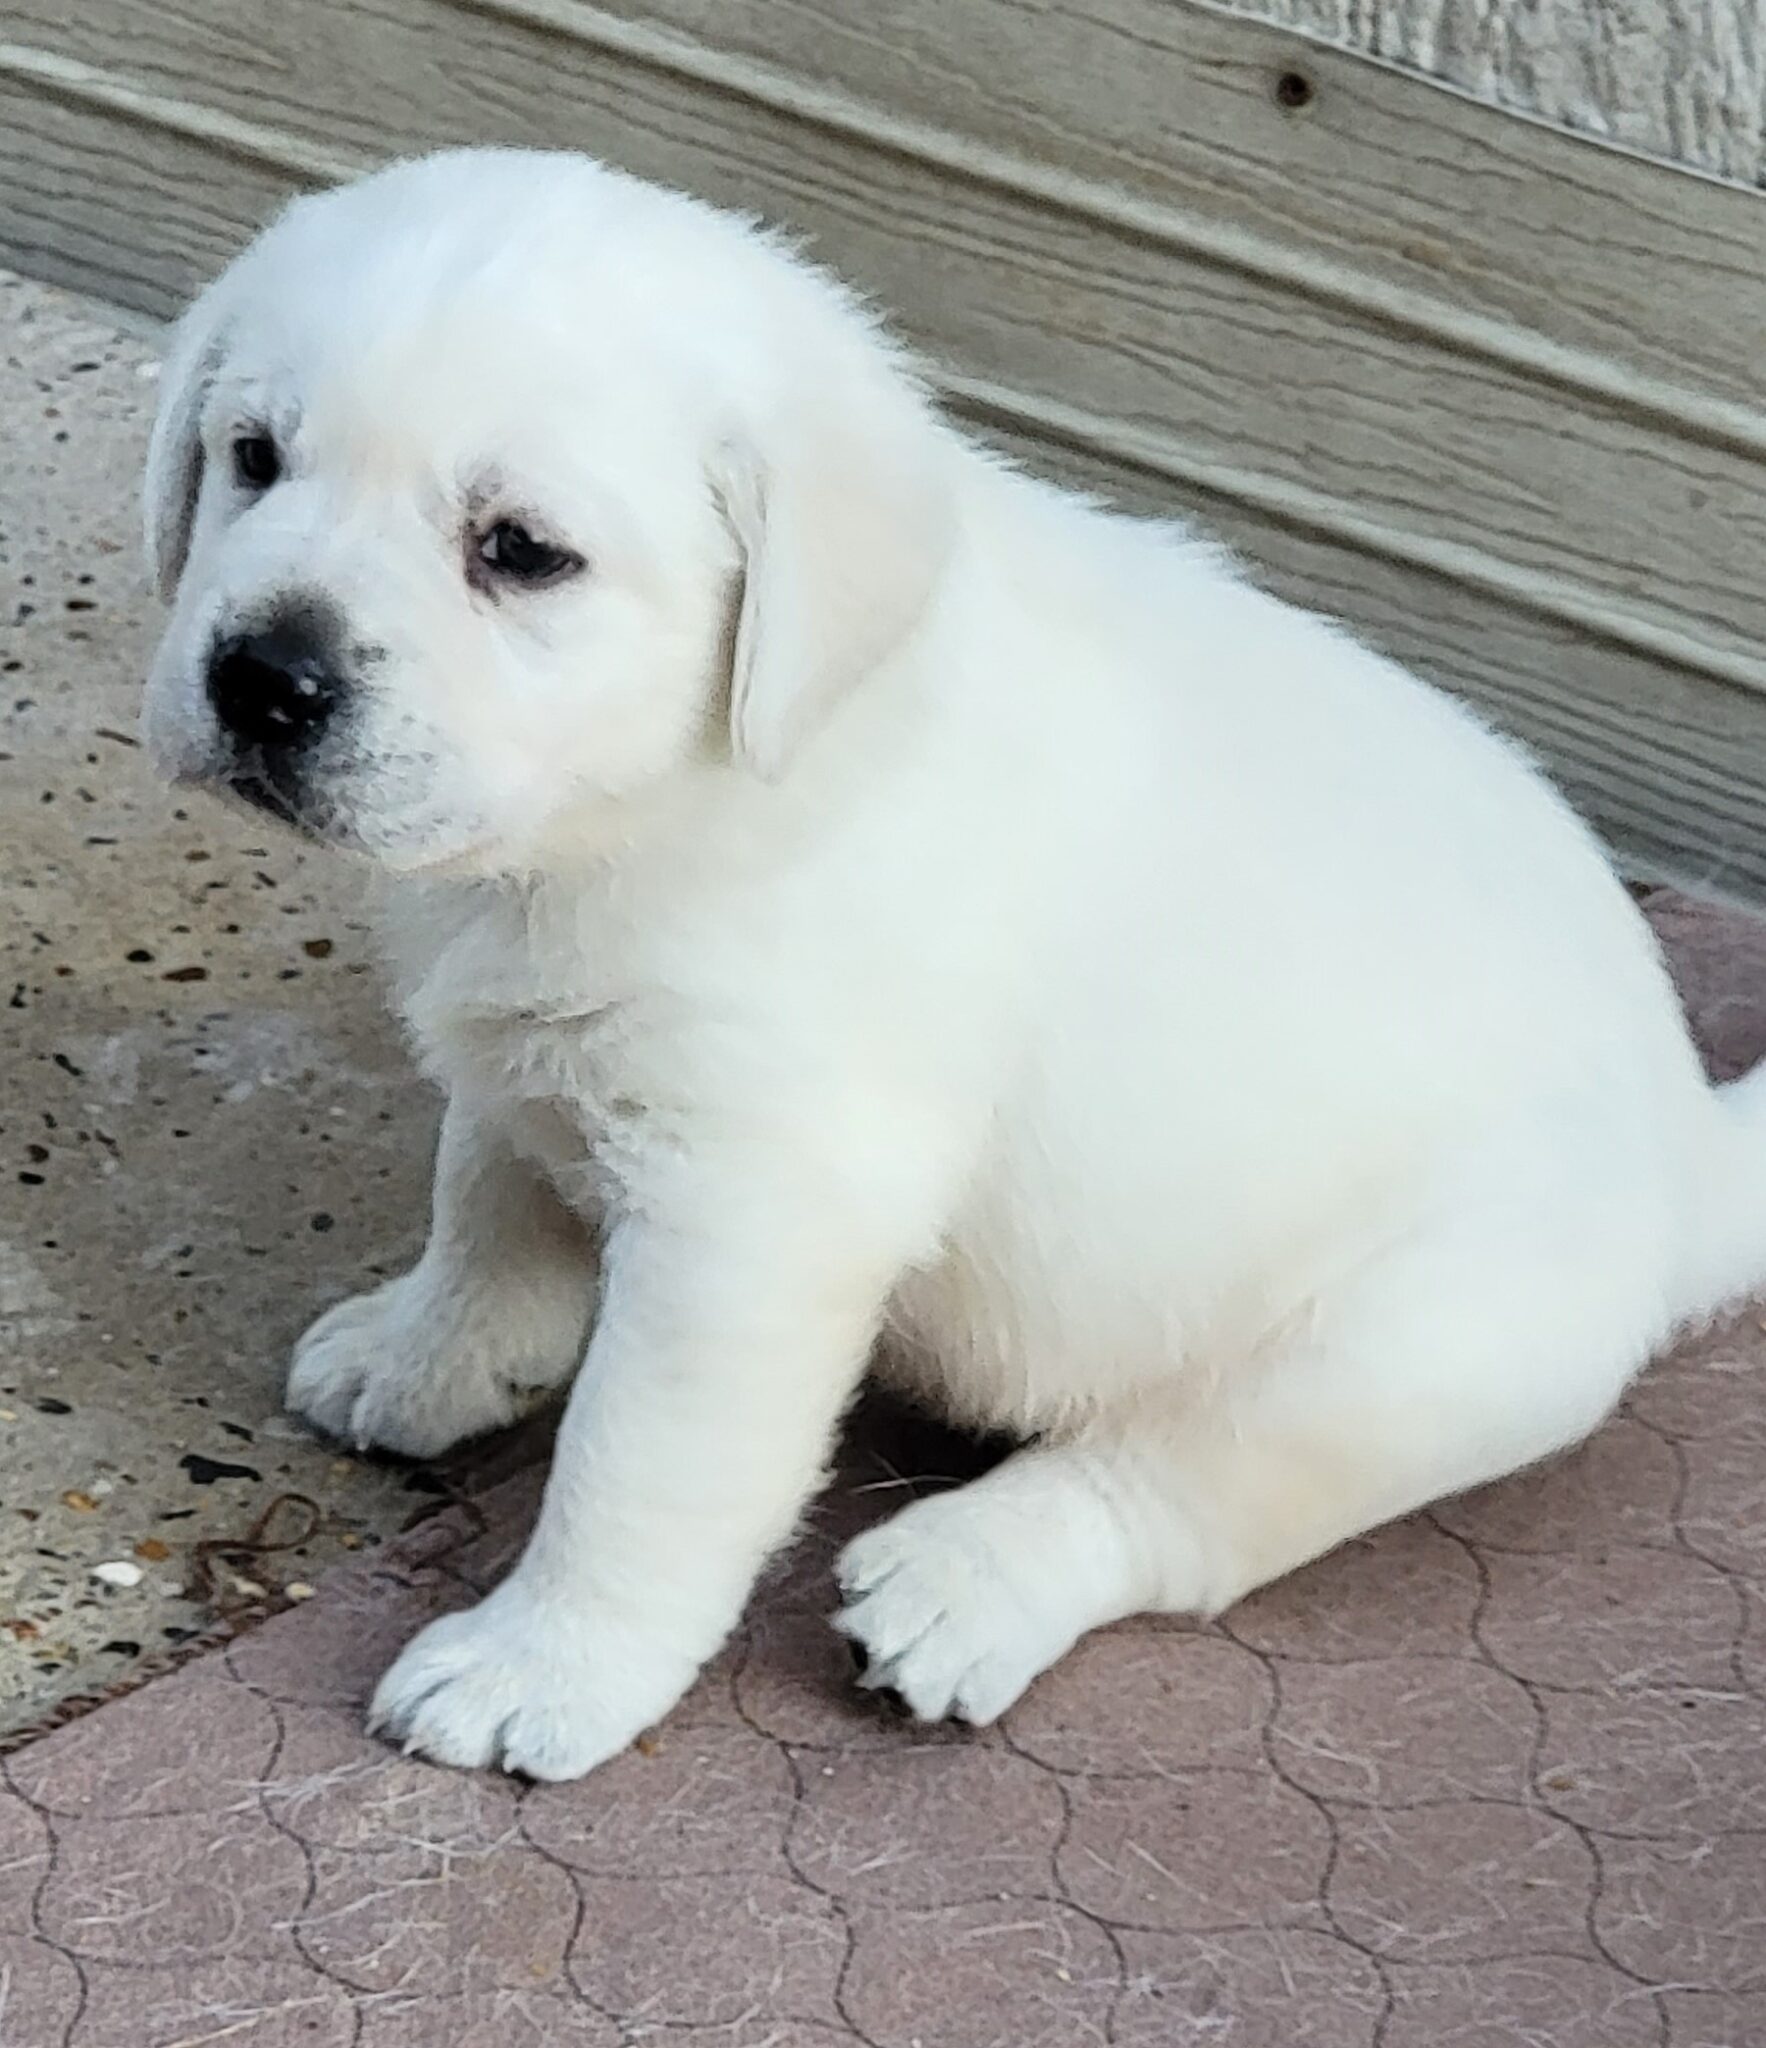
x: 129, y: 211
x: 1680, y: 79
x: 1490, y: 393
x: 1159, y: 113
x: 1167, y: 113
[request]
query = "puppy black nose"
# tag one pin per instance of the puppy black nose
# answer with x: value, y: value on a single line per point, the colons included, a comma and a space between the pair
x: 273, y: 689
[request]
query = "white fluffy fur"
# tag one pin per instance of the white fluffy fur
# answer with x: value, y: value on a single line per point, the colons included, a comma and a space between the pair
x: 884, y: 894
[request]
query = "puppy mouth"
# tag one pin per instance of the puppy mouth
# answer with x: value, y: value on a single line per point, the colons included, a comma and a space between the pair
x: 272, y: 789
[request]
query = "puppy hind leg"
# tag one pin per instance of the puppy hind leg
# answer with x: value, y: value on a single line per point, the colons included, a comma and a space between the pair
x: 1186, y: 1505
x: 1500, y: 1336
x: 960, y: 1600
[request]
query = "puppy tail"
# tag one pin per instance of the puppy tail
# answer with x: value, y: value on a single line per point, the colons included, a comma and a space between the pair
x: 1730, y: 1246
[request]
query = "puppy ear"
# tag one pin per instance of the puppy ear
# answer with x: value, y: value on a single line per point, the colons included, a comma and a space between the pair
x: 842, y: 512
x: 173, y: 477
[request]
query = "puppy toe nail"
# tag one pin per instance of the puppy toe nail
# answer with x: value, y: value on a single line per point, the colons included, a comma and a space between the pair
x: 891, y: 1703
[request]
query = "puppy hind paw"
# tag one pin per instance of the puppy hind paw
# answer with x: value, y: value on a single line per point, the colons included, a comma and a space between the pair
x: 935, y: 1621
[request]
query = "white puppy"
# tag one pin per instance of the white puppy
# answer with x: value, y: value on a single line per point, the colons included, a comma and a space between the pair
x: 846, y: 889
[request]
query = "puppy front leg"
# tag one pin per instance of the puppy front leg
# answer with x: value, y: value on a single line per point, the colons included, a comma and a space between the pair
x: 494, y: 1309
x: 699, y: 1426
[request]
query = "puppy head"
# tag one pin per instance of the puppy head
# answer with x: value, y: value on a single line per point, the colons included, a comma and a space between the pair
x: 493, y: 490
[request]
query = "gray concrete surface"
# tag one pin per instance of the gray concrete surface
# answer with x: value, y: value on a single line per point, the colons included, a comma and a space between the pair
x: 207, y: 1128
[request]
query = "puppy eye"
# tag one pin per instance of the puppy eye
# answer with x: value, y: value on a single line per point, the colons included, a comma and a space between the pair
x: 256, y: 464
x: 514, y: 555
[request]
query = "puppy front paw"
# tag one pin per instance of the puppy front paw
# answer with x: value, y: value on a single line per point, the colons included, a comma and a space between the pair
x: 332, y: 1363
x: 392, y: 1370
x: 532, y: 1686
